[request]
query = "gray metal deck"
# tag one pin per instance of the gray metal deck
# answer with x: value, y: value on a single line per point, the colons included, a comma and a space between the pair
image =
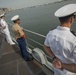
x: 11, y: 62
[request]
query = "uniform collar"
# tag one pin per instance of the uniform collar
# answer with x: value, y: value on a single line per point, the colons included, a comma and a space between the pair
x: 63, y: 28
x: 16, y: 24
x: 2, y: 19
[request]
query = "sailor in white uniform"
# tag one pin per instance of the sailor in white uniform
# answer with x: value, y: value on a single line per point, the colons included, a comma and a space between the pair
x: 60, y: 43
x: 5, y: 29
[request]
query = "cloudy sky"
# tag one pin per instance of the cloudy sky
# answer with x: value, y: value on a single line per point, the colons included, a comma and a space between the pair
x: 16, y: 4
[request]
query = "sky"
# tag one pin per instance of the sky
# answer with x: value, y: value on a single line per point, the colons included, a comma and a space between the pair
x: 17, y: 4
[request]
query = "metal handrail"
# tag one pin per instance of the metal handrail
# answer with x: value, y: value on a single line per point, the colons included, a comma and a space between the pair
x: 31, y: 40
x: 35, y: 33
x: 31, y: 46
x: 41, y: 35
x: 35, y: 41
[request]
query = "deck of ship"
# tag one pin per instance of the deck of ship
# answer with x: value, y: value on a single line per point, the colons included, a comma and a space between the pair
x: 11, y: 62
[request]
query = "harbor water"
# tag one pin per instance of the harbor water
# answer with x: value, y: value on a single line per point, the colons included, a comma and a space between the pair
x: 39, y: 19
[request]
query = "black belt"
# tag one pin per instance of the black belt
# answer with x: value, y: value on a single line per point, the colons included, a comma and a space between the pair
x: 20, y: 38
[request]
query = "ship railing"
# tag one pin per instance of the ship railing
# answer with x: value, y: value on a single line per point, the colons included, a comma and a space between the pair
x: 44, y: 56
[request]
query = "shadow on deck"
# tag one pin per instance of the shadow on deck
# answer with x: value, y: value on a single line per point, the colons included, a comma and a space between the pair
x: 11, y: 63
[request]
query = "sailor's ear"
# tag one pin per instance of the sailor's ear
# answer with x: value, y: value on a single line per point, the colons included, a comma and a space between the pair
x: 71, y: 19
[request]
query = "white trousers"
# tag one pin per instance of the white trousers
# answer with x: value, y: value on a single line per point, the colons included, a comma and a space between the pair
x: 8, y: 37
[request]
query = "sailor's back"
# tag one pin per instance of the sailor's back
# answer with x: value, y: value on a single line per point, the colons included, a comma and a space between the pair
x: 62, y: 43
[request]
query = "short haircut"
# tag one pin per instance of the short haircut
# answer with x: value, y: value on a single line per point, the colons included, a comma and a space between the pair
x: 65, y: 19
x: 2, y: 16
x: 16, y: 20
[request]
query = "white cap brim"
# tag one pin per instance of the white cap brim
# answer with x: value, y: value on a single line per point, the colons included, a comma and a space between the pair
x: 2, y: 15
x: 15, y: 18
x: 66, y: 10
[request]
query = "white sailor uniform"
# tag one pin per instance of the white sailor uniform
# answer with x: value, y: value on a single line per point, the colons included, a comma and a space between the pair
x: 62, y: 42
x: 6, y: 32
